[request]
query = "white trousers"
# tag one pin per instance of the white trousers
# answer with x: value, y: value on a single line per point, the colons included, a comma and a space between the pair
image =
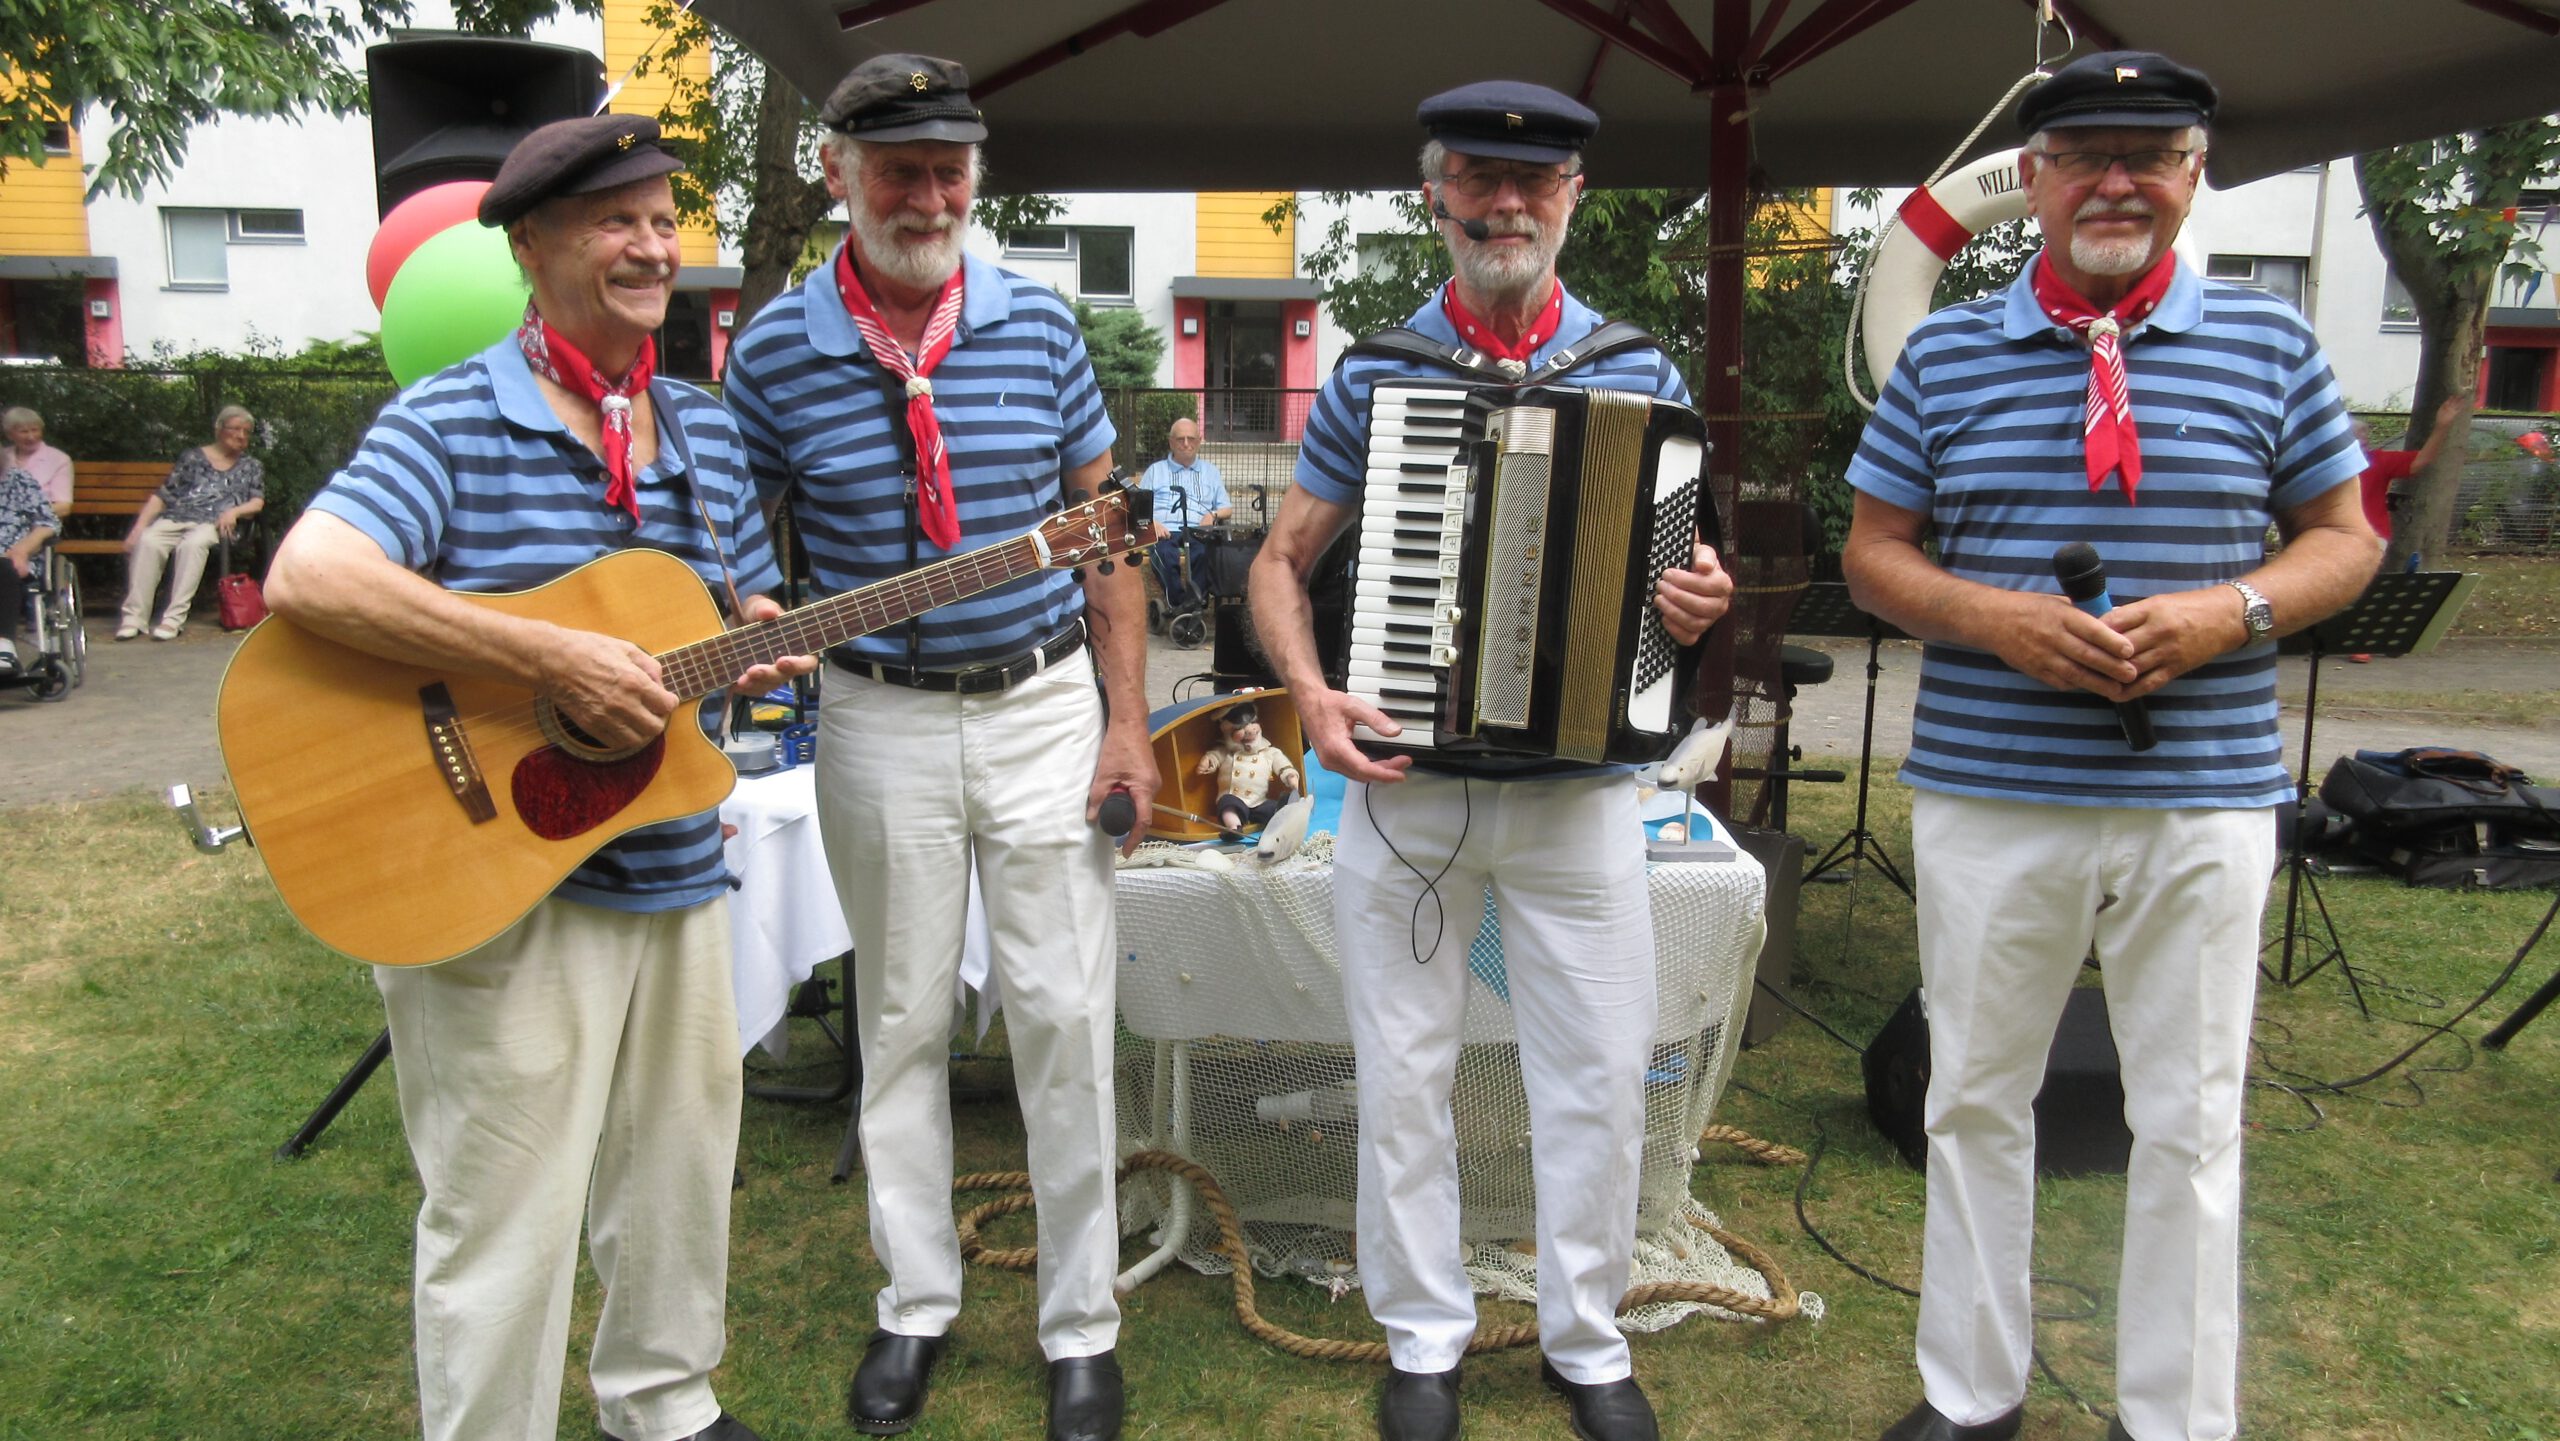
x: 912, y: 784
x: 1565, y: 859
x: 2011, y: 896
x: 585, y: 1061
x: 190, y: 542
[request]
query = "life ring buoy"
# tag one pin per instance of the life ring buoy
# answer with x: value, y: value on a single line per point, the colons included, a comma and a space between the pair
x: 1933, y: 225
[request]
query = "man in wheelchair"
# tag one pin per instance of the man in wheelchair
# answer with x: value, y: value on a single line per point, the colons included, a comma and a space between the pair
x: 1190, y: 497
x: 33, y: 583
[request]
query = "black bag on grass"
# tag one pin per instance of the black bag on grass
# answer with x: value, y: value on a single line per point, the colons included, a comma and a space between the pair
x: 2454, y: 819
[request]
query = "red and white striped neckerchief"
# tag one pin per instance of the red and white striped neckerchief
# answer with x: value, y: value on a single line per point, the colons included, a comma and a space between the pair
x: 1479, y: 332
x: 551, y: 356
x: 2107, y: 430
x: 937, y: 510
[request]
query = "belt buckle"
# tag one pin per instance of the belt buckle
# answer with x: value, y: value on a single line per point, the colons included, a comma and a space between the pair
x: 982, y: 680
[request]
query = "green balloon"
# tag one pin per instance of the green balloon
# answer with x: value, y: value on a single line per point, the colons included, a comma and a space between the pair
x: 455, y: 296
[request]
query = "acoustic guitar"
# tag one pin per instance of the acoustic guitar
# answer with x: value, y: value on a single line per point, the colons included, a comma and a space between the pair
x: 408, y: 815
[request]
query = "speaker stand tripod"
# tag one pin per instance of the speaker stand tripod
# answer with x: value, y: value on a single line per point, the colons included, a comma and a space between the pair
x: 2397, y: 615
x: 1826, y: 610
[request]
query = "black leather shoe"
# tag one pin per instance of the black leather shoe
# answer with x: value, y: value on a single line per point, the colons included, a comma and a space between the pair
x: 889, y: 1385
x: 1085, y: 1398
x: 1419, y: 1406
x: 1609, y: 1411
x: 1925, y: 1424
x: 727, y: 1428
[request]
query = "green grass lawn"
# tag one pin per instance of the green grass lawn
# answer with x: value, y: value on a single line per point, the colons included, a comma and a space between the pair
x: 2519, y: 595
x: 163, y: 1026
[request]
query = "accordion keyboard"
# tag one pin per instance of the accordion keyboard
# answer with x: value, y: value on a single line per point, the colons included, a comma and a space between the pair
x: 1412, y: 521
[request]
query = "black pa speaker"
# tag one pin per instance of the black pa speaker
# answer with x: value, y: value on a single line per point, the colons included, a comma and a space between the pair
x: 2080, y: 1129
x: 450, y: 107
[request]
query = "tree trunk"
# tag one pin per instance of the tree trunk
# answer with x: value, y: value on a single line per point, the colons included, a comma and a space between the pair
x: 2451, y: 298
x: 2448, y: 364
x: 786, y: 205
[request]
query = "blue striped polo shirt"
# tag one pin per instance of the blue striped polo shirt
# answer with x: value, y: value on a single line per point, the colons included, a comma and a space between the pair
x: 1333, y: 459
x: 824, y: 425
x: 1979, y: 429
x: 471, y: 480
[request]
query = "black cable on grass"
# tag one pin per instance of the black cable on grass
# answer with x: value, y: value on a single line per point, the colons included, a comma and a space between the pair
x: 1790, y: 1002
x: 2514, y: 964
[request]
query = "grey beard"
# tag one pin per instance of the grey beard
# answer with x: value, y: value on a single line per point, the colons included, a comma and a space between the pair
x: 1504, y: 273
x: 2110, y: 257
x: 925, y: 266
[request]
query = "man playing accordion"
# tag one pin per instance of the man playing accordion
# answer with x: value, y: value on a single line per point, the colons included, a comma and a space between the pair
x: 1558, y: 842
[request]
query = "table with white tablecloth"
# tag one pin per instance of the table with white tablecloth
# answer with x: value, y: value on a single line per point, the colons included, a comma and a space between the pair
x: 784, y: 919
x: 1235, y: 1052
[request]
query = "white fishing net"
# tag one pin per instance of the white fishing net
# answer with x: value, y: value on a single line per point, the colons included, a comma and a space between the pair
x: 1234, y: 1052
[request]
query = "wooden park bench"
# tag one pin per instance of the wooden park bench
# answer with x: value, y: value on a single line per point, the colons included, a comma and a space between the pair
x: 113, y: 492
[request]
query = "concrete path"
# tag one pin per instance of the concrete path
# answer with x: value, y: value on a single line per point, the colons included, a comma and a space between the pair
x: 144, y: 718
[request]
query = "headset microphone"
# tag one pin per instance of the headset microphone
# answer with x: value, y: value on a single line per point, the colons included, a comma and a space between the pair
x: 1476, y: 230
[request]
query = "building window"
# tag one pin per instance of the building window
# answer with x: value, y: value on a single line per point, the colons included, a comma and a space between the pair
x: 1105, y: 259
x: 2276, y: 274
x: 266, y: 227
x: 1106, y: 265
x: 196, y: 248
x: 57, y: 139
x: 1050, y: 240
x: 2398, y: 311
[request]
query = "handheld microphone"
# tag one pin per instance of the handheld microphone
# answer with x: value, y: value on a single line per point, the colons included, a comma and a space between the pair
x: 2084, y: 583
x: 1117, y: 814
x: 1476, y: 230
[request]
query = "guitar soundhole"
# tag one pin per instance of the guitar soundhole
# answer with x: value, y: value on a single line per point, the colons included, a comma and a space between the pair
x: 560, y: 794
x: 569, y: 736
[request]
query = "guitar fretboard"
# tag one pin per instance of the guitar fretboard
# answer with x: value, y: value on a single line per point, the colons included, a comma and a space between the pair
x: 708, y: 665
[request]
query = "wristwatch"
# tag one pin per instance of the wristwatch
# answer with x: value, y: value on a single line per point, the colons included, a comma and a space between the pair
x: 2255, y: 613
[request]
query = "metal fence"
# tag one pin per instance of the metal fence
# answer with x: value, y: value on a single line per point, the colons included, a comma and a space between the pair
x: 1251, y: 435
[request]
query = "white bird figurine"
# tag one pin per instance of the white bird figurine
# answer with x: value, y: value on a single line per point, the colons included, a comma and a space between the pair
x: 1691, y: 760
x: 1285, y: 832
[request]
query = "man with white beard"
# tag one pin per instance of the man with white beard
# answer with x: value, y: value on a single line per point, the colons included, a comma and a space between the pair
x: 2045, y: 826
x: 909, y: 403
x: 1560, y: 845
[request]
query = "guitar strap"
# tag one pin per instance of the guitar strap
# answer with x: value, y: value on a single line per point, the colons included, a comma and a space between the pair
x: 670, y: 424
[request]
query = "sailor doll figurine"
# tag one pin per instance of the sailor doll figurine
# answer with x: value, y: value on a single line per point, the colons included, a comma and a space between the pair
x: 1247, y: 765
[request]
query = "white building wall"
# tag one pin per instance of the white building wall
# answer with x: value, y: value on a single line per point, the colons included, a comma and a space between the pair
x: 285, y: 293
x: 1164, y: 244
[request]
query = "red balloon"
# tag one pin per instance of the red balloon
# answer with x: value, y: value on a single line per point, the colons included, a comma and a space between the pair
x: 430, y: 211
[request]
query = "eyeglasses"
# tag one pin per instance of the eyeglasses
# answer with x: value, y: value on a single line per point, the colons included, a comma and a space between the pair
x: 2151, y: 165
x: 1484, y: 184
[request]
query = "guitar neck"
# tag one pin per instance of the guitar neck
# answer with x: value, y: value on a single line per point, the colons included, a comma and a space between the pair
x: 708, y: 665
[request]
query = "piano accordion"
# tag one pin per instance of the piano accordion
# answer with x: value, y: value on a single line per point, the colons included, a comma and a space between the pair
x: 1499, y: 601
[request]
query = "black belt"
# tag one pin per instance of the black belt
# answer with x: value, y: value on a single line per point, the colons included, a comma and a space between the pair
x: 977, y: 679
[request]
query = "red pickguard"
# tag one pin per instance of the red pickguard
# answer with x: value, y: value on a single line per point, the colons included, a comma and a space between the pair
x: 559, y: 795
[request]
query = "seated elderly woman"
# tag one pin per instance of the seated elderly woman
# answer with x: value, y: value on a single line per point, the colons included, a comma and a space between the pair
x: 210, y: 490
x: 28, y: 452
x: 27, y: 521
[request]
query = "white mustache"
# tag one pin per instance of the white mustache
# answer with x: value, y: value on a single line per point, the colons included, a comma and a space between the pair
x: 2095, y: 207
x: 922, y: 226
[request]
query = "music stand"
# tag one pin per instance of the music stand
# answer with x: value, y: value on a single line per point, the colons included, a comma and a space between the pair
x: 2397, y: 615
x: 1826, y: 610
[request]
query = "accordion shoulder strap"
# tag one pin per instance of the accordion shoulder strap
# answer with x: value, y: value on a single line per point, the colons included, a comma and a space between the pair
x: 1403, y: 343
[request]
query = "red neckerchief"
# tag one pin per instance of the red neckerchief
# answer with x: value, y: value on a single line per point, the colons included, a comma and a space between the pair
x: 2107, y: 430
x: 1479, y: 333
x: 553, y: 358
x: 937, y: 510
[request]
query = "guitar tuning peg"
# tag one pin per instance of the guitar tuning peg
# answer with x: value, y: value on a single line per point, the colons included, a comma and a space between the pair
x: 1105, y: 566
x: 1079, y: 497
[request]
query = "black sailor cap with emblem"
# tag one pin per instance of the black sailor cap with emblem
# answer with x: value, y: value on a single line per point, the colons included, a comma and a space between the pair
x: 1509, y: 120
x: 889, y: 98
x: 2120, y: 88
x: 575, y: 157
